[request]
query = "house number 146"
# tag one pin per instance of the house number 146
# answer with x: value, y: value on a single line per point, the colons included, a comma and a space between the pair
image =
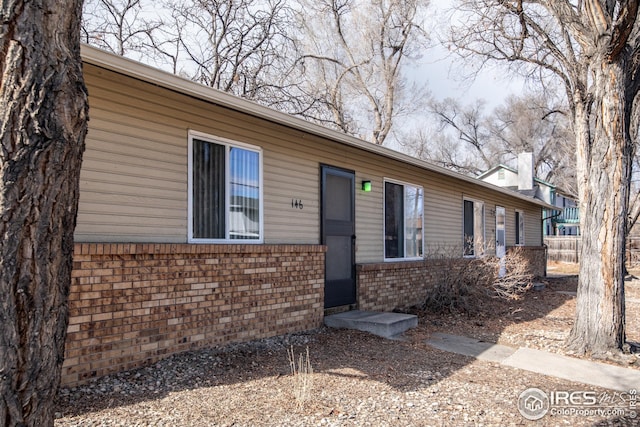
x: 296, y: 204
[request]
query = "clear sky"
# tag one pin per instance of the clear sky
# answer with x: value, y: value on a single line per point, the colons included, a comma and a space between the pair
x: 444, y: 76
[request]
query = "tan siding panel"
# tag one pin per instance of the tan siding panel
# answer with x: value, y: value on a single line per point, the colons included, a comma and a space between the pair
x: 369, y: 219
x: 134, y: 178
x: 286, y: 179
x: 136, y: 164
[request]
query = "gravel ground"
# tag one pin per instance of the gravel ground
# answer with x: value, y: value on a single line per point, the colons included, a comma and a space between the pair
x: 357, y: 380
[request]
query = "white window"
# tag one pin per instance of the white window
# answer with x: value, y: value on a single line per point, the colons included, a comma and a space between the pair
x: 519, y: 228
x: 225, y: 191
x: 473, y: 228
x: 403, y: 220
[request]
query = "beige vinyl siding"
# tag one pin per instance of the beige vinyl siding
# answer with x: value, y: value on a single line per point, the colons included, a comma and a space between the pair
x: 287, y: 179
x: 132, y: 187
x: 369, y: 217
x: 134, y: 178
x: 158, y: 127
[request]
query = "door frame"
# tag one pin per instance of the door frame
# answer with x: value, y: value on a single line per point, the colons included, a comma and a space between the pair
x: 350, y: 174
x: 500, y: 255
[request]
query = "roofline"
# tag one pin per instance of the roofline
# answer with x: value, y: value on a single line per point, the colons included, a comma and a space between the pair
x: 496, y: 167
x: 567, y: 194
x: 509, y: 168
x: 119, y: 64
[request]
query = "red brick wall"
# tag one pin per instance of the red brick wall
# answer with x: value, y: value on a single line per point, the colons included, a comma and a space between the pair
x: 131, y: 304
x: 537, y: 257
x: 391, y: 285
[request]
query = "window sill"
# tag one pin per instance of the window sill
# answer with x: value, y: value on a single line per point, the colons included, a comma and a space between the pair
x: 225, y: 242
x: 403, y: 259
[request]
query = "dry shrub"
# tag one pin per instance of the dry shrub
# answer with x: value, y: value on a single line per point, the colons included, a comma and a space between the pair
x: 302, y: 373
x: 517, y: 278
x: 465, y: 282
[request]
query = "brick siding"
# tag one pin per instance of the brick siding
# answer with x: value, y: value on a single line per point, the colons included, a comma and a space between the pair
x: 391, y: 285
x: 132, y: 304
x: 537, y: 257
x: 395, y: 285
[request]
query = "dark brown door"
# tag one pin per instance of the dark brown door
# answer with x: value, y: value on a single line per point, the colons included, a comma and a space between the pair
x: 338, y: 234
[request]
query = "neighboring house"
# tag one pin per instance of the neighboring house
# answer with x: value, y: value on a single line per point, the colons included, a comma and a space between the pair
x: 566, y: 220
x: 557, y: 222
x: 206, y: 219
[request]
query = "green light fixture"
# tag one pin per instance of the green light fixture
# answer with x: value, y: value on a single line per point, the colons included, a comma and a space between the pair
x: 366, y: 186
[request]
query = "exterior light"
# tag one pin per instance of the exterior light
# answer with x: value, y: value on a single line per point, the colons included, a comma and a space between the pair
x: 366, y: 186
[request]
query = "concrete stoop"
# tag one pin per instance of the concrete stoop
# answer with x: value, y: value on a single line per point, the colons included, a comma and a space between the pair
x: 387, y: 325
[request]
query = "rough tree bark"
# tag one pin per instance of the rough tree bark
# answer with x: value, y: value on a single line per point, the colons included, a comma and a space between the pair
x: 43, y: 104
x: 605, y: 155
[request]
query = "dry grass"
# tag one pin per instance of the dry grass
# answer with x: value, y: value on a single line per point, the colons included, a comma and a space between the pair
x: 302, y: 373
x: 554, y: 267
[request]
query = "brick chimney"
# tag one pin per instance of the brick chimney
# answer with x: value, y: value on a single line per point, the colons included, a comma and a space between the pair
x: 525, y: 171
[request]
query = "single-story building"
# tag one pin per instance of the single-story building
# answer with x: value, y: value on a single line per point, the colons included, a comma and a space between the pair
x: 206, y: 219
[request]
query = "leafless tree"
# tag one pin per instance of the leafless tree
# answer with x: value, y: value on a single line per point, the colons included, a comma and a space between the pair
x: 591, y: 48
x: 337, y: 62
x: 536, y: 123
x: 119, y: 26
x: 238, y: 46
x: 471, y: 141
x: 353, y: 53
x: 43, y: 104
x: 466, y: 124
x: 439, y: 147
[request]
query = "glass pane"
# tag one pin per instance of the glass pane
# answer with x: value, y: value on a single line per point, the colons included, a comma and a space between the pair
x: 338, y: 258
x: 338, y: 198
x: 500, y: 231
x: 520, y: 230
x: 468, y: 232
x: 413, y: 207
x: 500, y: 217
x: 208, y: 190
x: 479, y: 228
x: 393, y: 220
x: 244, y: 188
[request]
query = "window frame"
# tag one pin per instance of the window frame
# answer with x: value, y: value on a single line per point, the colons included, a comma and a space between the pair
x: 519, y: 233
x: 483, y: 248
x: 228, y: 144
x: 404, y: 184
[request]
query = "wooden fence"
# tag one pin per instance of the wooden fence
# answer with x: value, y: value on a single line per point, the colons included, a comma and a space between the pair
x: 567, y: 249
x: 563, y: 248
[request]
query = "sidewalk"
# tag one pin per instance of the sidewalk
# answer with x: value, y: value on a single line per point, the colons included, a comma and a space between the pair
x: 542, y: 362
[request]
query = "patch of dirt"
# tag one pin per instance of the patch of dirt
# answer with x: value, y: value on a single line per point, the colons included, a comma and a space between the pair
x: 358, y: 379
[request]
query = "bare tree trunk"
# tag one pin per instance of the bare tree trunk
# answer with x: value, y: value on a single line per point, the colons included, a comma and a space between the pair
x: 43, y: 104
x: 604, y: 161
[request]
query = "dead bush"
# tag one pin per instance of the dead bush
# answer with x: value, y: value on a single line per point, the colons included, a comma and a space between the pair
x: 465, y: 282
x: 516, y: 277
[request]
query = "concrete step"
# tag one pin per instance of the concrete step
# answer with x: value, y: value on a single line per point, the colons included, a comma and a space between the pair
x: 387, y: 325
